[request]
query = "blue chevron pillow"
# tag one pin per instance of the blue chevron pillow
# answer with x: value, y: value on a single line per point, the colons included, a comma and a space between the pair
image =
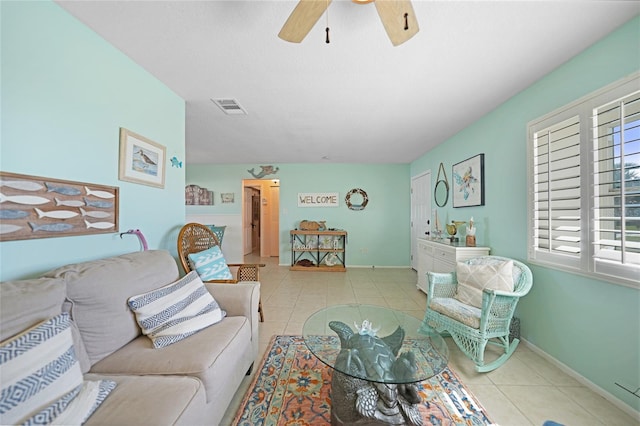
x: 176, y: 311
x: 37, y: 367
x: 210, y: 264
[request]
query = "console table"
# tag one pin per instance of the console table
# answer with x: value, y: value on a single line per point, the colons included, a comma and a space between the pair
x: 442, y: 256
x: 321, y: 250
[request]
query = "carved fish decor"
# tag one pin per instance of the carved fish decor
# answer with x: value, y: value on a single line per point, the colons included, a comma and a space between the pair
x: 64, y: 190
x: 69, y: 203
x: 38, y: 207
x: 98, y: 214
x: 23, y: 199
x: 21, y: 185
x: 98, y: 204
x: 56, y: 214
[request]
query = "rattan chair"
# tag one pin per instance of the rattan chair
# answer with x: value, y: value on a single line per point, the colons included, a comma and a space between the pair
x: 195, y: 237
x: 473, y: 328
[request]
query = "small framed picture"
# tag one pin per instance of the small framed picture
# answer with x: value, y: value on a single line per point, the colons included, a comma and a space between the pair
x: 141, y: 160
x: 468, y: 182
x: 227, y: 197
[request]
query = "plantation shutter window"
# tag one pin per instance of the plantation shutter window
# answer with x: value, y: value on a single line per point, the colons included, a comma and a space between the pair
x: 583, y: 163
x: 616, y: 180
x: 557, y: 209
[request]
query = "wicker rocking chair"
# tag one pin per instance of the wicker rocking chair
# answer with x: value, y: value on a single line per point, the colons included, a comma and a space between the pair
x: 195, y: 237
x: 473, y: 328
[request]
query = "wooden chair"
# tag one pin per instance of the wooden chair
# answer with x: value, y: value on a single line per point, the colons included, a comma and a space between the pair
x: 473, y: 328
x: 195, y: 237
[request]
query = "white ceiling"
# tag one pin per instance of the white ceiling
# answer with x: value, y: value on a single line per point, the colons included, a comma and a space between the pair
x: 357, y: 99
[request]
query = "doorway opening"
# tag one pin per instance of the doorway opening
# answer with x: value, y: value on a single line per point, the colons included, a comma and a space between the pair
x: 261, y: 217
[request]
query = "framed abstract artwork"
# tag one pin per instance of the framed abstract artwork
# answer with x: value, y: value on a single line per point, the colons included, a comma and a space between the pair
x: 468, y: 182
x: 141, y: 160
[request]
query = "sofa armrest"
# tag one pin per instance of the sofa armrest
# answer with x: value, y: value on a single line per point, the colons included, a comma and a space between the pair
x: 240, y: 299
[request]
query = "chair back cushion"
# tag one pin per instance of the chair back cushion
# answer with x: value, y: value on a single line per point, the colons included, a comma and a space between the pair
x: 210, y: 264
x: 194, y: 238
x: 472, y: 279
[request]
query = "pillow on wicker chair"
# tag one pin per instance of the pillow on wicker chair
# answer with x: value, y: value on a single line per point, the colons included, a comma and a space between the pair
x: 210, y: 264
x: 472, y: 279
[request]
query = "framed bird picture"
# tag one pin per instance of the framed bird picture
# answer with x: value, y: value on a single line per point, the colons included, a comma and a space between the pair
x: 141, y: 160
x: 468, y: 182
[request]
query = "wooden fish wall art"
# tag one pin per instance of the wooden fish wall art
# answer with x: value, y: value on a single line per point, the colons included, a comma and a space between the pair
x: 38, y: 207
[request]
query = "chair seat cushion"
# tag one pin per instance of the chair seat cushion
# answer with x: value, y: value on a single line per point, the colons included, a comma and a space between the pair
x: 453, y: 308
x: 472, y: 279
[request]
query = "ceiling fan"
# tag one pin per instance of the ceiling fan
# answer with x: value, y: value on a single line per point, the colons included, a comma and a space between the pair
x: 397, y: 16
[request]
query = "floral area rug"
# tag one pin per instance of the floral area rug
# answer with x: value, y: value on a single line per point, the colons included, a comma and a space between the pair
x: 292, y: 387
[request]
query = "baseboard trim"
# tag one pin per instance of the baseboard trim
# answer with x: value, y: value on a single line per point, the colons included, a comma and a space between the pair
x: 583, y: 380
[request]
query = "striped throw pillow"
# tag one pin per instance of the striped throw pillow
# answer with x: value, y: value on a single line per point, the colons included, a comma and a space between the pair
x: 75, y: 407
x: 210, y: 264
x: 176, y: 311
x: 37, y: 367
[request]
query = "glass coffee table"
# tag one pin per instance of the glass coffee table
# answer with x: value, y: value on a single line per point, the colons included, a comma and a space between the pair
x: 378, y: 356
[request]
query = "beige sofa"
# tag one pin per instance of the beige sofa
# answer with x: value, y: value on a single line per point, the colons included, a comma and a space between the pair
x: 190, y: 382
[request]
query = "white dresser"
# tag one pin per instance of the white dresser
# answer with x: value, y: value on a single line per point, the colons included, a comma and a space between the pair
x: 442, y: 256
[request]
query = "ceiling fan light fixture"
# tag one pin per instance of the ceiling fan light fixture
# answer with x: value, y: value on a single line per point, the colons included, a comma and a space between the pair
x: 362, y: 1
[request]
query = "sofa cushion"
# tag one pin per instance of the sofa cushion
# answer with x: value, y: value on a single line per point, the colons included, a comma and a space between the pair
x: 26, y: 303
x: 176, y: 311
x: 38, y: 367
x: 472, y: 279
x: 210, y: 264
x: 216, y: 355
x: 151, y: 400
x: 98, y: 292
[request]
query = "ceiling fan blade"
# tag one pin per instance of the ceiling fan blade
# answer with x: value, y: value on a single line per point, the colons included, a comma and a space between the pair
x: 302, y: 19
x: 392, y: 14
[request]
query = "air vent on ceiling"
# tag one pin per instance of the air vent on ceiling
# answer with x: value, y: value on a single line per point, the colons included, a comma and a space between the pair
x: 230, y: 106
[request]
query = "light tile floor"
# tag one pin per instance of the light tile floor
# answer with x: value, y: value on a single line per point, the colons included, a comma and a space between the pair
x: 527, y: 390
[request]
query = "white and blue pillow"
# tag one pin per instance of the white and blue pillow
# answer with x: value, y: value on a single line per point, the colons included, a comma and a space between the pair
x: 176, y: 311
x: 75, y: 407
x: 41, y: 376
x: 210, y: 264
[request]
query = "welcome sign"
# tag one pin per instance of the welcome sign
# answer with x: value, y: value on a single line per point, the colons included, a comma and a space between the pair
x: 318, y: 199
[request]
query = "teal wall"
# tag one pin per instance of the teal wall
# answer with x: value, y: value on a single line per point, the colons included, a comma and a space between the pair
x: 378, y: 235
x: 65, y: 94
x: 592, y: 326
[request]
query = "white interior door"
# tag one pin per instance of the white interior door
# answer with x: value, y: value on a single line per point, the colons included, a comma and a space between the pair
x: 420, y: 212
